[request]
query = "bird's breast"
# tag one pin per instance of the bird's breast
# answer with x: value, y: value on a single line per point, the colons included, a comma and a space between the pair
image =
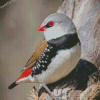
x: 61, y: 65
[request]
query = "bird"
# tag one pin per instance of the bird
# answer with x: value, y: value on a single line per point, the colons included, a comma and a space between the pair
x: 55, y: 56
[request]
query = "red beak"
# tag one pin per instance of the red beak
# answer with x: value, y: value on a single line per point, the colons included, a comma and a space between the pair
x: 41, y: 28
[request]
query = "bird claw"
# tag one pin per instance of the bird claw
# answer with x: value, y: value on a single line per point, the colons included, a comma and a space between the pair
x: 50, y: 93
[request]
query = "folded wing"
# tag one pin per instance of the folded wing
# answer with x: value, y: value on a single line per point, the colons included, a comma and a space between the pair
x: 36, y: 55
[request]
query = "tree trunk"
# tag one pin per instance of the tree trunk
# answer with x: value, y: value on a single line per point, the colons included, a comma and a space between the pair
x: 86, y: 17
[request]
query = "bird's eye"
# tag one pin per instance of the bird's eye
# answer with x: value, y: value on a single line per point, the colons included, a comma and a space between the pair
x: 51, y: 23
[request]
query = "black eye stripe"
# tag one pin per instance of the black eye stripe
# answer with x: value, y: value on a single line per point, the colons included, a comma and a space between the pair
x: 48, y: 25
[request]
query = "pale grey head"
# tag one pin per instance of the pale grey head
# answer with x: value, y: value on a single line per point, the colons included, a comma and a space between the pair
x: 62, y: 25
x: 57, y: 25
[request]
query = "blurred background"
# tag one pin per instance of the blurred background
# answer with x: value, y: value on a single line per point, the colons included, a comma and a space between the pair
x: 19, y: 21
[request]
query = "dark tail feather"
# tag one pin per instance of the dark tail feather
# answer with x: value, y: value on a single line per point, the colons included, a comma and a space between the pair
x: 12, y: 85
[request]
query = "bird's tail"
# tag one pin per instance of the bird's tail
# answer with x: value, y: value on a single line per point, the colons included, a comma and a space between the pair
x: 23, y: 78
x: 12, y: 85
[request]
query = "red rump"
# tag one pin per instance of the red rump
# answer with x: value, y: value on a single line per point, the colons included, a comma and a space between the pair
x: 26, y: 73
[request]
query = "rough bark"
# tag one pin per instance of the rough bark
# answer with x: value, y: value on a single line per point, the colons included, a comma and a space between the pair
x: 86, y: 17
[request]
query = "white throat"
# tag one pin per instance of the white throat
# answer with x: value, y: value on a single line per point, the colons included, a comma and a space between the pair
x: 53, y: 33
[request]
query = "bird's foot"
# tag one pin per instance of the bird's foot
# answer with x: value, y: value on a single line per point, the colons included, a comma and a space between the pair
x: 59, y: 97
x: 60, y: 93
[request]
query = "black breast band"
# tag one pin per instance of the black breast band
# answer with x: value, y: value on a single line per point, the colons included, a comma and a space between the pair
x: 65, y: 42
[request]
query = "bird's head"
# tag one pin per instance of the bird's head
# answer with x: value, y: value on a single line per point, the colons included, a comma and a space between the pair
x: 57, y: 25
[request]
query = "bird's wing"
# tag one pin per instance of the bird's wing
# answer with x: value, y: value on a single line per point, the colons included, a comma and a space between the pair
x: 36, y: 55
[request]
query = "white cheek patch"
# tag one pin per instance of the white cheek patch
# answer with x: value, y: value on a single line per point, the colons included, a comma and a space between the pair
x: 53, y: 33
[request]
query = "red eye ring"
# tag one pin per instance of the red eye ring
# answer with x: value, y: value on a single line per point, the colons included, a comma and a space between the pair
x: 51, y: 23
